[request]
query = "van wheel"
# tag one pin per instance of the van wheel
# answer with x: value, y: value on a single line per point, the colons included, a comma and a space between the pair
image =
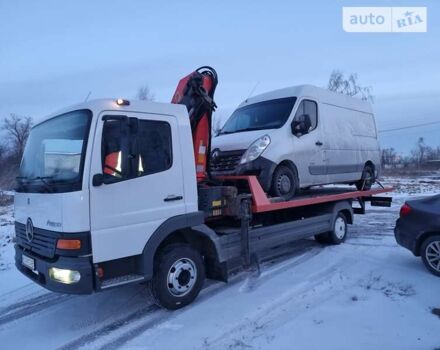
x: 178, y: 277
x: 367, y: 180
x: 430, y: 253
x: 339, y: 232
x: 285, y: 183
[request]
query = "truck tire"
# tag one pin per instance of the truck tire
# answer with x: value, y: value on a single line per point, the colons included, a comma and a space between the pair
x: 430, y: 252
x: 285, y: 183
x: 179, y: 276
x: 367, y: 180
x: 339, y: 232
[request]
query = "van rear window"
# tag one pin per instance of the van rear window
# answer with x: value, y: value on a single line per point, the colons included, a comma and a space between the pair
x: 270, y: 114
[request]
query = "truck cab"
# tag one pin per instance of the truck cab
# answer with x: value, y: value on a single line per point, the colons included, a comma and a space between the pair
x: 96, y: 181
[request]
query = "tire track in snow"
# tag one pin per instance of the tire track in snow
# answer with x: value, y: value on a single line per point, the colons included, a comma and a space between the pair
x: 254, y: 316
x: 253, y: 283
x: 109, y: 328
x: 121, y: 340
x: 15, y: 290
x: 116, y: 341
x: 158, y: 316
x: 31, y: 306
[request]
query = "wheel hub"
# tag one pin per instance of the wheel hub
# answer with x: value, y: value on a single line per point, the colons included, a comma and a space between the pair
x: 284, y: 184
x: 340, y: 228
x: 182, y: 277
x: 433, y: 255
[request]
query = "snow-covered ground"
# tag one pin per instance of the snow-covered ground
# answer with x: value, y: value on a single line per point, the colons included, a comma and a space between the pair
x: 368, y: 293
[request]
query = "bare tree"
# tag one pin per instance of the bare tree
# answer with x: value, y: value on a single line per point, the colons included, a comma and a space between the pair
x: 389, y: 157
x: 349, y: 85
x: 3, y: 152
x: 433, y: 153
x: 17, y: 130
x: 144, y: 93
x: 420, y: 152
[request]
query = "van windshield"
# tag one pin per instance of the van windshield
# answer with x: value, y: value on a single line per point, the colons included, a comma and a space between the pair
x: 270, y: 114
x: 54, y: 155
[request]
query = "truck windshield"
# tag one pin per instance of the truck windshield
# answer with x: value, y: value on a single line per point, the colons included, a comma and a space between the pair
x: 270, y: 114
x: 54, y: 155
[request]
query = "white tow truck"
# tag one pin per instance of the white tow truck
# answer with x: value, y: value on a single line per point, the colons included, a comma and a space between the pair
x: 113, y: 192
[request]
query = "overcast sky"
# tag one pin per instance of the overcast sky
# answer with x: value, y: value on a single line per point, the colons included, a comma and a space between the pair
x: 53, y: 53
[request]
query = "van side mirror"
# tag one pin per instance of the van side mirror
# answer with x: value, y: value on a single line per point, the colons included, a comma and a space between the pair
x: 97, y: 180
x: 301, y: 125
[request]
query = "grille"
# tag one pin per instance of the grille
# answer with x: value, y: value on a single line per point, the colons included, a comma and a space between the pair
x: 225, y: 161
x: 44, y: 242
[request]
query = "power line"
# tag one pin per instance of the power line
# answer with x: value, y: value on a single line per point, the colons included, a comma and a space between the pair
x: 409, y: 127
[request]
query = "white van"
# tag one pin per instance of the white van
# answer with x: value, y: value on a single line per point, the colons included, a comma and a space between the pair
x: 299, y: 137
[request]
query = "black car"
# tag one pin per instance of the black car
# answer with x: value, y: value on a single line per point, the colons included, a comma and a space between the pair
x: 418, y: 229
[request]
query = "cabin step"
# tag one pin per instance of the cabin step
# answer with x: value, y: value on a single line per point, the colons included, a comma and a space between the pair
x: 121, y: 280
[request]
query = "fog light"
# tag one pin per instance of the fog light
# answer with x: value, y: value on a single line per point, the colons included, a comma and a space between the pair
x: 64, y: 276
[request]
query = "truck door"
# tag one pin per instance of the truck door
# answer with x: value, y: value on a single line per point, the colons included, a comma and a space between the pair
x: 308, y: 150
x: 136, y: 181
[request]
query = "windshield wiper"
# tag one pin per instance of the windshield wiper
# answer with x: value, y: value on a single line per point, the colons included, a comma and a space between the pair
x: 21, y: 183
x: 43, y: 179
x: 226, y: 132
x: 252, y: 129
x: 28, y: 180
x: 242, y: 130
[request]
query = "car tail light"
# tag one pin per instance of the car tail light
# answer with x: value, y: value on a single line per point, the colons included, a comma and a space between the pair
x: 405, y: 210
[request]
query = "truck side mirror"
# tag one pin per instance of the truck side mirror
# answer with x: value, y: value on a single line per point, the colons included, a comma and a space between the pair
x: 301, y: 125
x: 97, y: 180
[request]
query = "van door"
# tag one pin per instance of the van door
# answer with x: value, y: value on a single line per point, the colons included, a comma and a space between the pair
x: 137, y: 157
x: 308, y: 151
x: 342, y: 147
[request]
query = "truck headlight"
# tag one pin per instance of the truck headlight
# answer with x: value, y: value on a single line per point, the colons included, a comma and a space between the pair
x: 64, y: 276
x: 256, y: 149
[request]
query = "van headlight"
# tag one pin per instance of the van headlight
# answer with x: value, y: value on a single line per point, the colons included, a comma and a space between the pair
x: 256, y: 149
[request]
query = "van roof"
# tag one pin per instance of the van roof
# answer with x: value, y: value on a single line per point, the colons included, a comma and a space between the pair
x: 317, y: 93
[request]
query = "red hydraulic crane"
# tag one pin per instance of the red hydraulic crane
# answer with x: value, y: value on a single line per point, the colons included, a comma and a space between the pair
x: 196, y: 92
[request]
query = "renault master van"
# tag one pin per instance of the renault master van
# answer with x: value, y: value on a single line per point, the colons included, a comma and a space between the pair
x: 299, y: 137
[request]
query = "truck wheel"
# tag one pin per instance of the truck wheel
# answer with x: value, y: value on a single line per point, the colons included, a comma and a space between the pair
x: 338, y: 233
x: 285, y: 183
x: 367, y: 180
x: 430, y: 253
x: 178, y: 277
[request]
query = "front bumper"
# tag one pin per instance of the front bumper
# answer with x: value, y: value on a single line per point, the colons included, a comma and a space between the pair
x: 41, y: 275
x: 261, y: 167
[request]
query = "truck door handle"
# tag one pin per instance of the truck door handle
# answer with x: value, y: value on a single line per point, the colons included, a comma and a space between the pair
x: 318, y: 143
x: 172, y: 198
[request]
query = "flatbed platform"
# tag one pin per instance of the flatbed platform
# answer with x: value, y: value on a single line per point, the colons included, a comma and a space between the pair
x: 262, y: 203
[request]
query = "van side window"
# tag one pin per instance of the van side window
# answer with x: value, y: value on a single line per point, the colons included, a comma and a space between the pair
x: 127, y: 154
x: 311, y: 109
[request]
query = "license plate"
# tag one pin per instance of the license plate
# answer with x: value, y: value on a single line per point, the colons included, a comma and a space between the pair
x: 28, y: 262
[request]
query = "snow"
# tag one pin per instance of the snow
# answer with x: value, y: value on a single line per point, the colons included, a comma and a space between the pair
x: 366, y: 293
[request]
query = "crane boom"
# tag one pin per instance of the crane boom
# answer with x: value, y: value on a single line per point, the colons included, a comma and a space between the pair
x: 196, y: 92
